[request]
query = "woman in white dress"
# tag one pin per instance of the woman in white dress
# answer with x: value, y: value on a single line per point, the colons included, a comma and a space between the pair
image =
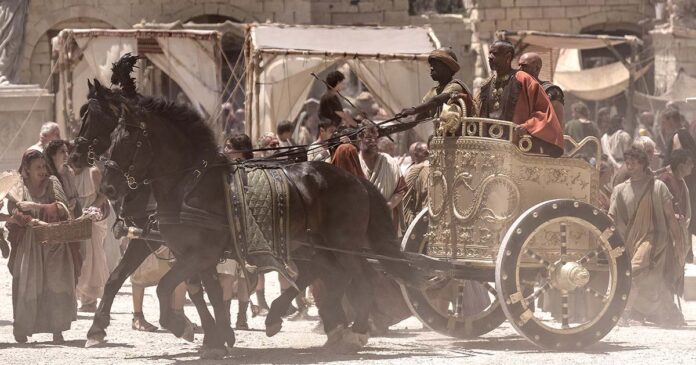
x: 95, y: 271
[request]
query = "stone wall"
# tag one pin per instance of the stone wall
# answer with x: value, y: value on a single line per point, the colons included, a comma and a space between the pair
x: 454, y: 31
x: 46, y: 16
x: 675, y: 49
x: 365, y: 12
x: 563, y: 16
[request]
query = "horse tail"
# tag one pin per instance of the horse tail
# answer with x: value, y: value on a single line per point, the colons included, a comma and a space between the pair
x: 383, y: 240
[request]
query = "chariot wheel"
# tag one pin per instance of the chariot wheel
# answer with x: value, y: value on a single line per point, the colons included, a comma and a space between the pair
x: 440, y: 306
x: 572, y: 249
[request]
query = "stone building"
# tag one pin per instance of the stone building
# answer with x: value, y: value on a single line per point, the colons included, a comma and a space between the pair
x: 47, y: 17
x: 470, y: 23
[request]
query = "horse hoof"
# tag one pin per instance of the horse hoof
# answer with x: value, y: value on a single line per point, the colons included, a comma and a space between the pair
x: 334, y: 336
x: 357, y: 339
x: 350, y: 343
x: 209, y: 353
x: 95, y: 341
x: 273, y: 329
x: 188, y: 334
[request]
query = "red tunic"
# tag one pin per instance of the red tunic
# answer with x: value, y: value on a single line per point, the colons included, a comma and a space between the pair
x: 535, y: 112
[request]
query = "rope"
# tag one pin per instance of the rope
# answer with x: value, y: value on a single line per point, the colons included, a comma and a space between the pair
x: 33, y: 106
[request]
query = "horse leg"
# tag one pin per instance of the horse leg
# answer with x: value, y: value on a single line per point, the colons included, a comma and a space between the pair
x: 180, y: 271
x: 135, y: 254
x: 280, y: 305
x: 330, y: 309
x: 195, y: 292
x: 361, y: 299
x: 222, y: 315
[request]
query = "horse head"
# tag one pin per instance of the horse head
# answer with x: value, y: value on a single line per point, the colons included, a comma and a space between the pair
x: 130, y: 158
x: 99, y: 117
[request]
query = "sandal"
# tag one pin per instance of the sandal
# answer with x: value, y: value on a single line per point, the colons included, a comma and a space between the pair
x: 140, y: 324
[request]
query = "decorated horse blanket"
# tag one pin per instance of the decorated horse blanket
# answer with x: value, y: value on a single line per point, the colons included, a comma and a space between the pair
x: 258, y: 218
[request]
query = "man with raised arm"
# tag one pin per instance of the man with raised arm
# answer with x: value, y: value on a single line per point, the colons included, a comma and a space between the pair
x: 443, y: 66
x: 519, y: 98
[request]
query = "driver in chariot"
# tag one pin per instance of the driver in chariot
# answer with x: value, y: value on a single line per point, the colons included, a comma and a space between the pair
x: 438, y: 102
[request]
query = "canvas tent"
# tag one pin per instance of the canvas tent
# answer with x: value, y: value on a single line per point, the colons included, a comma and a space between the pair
x: 189, y: 57
x: 683, y: 88
x: 390, y: 61
x: 561, y: 59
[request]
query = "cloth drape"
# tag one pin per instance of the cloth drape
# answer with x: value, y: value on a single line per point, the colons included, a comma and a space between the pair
x: 192, y: 64
x: 285, y: 82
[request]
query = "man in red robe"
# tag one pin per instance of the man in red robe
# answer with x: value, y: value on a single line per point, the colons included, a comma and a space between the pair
x: 517, y: 97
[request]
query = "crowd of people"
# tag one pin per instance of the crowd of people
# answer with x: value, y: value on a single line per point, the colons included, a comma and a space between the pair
x: 645, y: 178
x: 48, y: 279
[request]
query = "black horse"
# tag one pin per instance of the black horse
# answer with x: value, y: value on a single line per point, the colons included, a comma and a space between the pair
x: 90, y: 144
x: 169, y: 146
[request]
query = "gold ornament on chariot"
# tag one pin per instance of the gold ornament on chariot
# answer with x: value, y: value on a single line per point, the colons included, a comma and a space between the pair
x: 495, y: 131
x: 471, y: 129
x: 496, y: 199
x: 525, y: 144
x: 437, y: 193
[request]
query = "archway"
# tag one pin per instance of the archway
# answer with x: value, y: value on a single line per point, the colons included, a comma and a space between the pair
x: 40, y: 58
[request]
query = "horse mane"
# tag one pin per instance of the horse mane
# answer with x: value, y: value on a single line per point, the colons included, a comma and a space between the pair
x: 181, y: 116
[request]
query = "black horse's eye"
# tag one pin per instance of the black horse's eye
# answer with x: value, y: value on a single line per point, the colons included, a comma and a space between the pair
x: 131, y: 168
x: 95, y: 141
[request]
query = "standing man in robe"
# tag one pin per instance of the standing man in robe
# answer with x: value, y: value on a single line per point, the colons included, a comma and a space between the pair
x: 416, y: 182
x: 642, y: 210
x: 517, y: 97
x: 531, y: 63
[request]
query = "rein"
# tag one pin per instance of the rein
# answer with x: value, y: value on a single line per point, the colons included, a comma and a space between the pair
x: 288, y: 153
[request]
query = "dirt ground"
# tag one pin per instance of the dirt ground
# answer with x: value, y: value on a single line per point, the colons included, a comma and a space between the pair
x: 299, y: 343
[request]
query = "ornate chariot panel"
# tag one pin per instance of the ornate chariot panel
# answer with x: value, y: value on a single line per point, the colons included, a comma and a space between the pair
x: 480, y: 185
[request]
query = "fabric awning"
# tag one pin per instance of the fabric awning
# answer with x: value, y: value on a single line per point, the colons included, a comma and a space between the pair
x: 561, y: 58
x: 390, y: 61
x: 683, y: 88
x: 596, y: 83
x: 189, y: 57
x: 383, y: 41
x: 561, y: 40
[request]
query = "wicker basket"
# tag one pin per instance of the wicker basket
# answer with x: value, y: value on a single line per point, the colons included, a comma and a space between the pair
x: 64, y: 232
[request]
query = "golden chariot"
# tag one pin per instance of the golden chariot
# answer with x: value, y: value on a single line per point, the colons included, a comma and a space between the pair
x: 524, y: 232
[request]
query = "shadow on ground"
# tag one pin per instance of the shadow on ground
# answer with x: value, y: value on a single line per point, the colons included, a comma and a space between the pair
x: 284, y: 355
x: 70, y: 343
x: 519, y: 344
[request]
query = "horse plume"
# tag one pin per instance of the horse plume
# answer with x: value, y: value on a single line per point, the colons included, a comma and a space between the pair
x: 121, y: 74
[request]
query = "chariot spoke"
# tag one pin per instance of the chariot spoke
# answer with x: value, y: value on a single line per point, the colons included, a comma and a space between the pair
x: 564, y: 241
x: 590, y: 255
x: 490, y: 289
x: 596, y: 294
x: 538, y: 258
x: 564, y: 309
x: 459, y: 302
x: 540, y: 290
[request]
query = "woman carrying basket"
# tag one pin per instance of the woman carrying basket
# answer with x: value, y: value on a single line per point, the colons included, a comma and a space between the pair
x: 43, y: 275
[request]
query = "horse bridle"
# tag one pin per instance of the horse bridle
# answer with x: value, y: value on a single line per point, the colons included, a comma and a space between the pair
x: 143, y: 134
x: 81, y: 140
